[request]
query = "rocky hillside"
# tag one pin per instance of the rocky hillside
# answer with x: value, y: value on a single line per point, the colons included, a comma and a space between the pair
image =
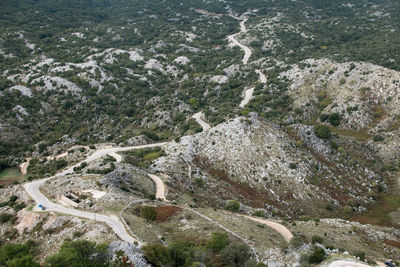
x: 287, y: 171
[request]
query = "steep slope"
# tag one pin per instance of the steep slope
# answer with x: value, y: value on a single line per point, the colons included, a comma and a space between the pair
x: 262, y: 166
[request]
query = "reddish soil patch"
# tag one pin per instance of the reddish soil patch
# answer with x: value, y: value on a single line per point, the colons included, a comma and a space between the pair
x: 392, y: 243
x: 164, y: 213
x: 251, y: 196
x: 6, y: 182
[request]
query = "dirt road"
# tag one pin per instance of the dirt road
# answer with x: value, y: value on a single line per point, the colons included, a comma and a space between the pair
x: 160, y: 187
x: 281, y: 229
x: 235, y: 42
x: 199, y: 118
x: 345, y: 263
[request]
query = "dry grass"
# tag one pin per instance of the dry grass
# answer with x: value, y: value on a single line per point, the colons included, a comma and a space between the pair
x: 10, y: 175
x: 358, y: 135
x: 379, y: 214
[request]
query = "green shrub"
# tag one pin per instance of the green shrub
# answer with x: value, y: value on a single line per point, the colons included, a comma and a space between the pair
x: 18, y: 254
x: 296, y: 242
x: 305, y: 218
x: 156, y: 254
x: 233, y: 205
x: 317, y: 256
x: 360, y: 255
x: 378, y: 138
x: 148, y: 212
x: 334, y: 145
x: 334, y: 119
x: 152, y: 135
x: 317, y: 239
x: 322, y: 131
x: 218, y: 241
x: 77, y: 234
x: 199, y: 182
x: 79, y: 253
x: 181, y: 253
x: 235, y: 255
x: 5, y: 217
x: 258, y: 213
x: 324, y: 117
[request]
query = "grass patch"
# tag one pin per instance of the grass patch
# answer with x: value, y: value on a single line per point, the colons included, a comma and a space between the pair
x: 11, y: 175
x: 380, y: 214
x: 113, y: 208
x: 143, y: 157
x: 358, y: 135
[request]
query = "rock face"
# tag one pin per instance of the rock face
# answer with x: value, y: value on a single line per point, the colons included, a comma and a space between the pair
x: 364, y: 94
x: 133, y: 253
x: 27, y: 221
x: 258, y: 163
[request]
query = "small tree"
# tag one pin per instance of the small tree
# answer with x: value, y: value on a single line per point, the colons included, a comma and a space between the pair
x: 148, y: 212
x: 317, y: 239
x: 218, y: 241
x: 360, y: 255
x: 296, y: 241
x: 156, y: 254
x: 322, y: 131
x: 317, y: 256
x: 334, y: 119
x: 233, y: 205
x: 235, y: 254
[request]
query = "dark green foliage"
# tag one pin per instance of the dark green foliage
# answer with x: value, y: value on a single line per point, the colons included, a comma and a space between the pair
x: 152, y: 135
x: 50, y: 167
x: 5, y: 217
x: 148, y: 212
x: 316, y: 239
x: 156, y: 254
x: 218, y: 241
x: 181, y: 253
x: 322, y: 131
x: 334, y: 145
x: 79, y: 253
x: 235, y: 254
x: 199, y: 182
x: 143, y: 157
x: 18, y: 254
x: 233, y: 205
x: 317, y: 256
x: 258, y: 213
x: 296, y: 241
x: 334, y: 119
x: 378, y: 138
x: 24, y: 261
x: 360, y: 255
x: 324, y: 117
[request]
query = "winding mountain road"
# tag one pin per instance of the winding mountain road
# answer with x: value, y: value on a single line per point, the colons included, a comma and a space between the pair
x: 248, y: 95
x: 199, y: 118
x: 281, y: 229
x: 235, y: 42
x: 118, y: 227
x: 33, y: 190
x: 261, y: 76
